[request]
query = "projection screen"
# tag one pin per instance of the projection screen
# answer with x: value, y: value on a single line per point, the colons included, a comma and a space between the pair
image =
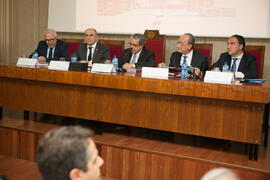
x: 211, y: 18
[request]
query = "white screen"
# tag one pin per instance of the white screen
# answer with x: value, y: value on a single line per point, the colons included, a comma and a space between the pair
x: 249, y: 18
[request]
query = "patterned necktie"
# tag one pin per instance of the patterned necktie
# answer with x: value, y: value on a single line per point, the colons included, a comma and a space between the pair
x: 185, y: 60
x: 90, y: 54
x: 233, y: 69
x: 133, y: 61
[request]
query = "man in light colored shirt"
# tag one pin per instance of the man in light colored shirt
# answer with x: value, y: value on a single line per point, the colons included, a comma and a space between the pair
x: 186, y: 52
x: 237, y: 59
x: 137, y: 56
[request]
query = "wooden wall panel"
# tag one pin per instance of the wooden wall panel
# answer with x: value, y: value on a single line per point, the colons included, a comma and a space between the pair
x: 8, y: 142
x: 135, y: 165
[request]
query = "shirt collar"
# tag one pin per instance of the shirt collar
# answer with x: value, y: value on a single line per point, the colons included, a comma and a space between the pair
x: 240, y: 56
x: 93, y: 46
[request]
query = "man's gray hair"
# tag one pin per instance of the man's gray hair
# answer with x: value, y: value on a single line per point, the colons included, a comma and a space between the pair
x: 220, y: 174
x: 191, y: 39
x: 61, y: 150
x: 140, y: 37
x: 50, y: 31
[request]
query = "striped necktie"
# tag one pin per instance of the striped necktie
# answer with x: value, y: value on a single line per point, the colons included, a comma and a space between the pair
x: 185, y: 60
x: 233, y: 69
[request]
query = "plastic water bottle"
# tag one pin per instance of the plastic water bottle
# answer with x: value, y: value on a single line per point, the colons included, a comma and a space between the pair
x: 184, y: 71
x: 115, y: 63
x: 35, y: 55
x: 225, y: 67
x: 74, y: 59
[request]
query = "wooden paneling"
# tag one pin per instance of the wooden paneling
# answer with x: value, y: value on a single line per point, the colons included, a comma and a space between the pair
x: 19, y: 139
x: 18, y: 169
x: 127, y: 164
x: 232, y: 112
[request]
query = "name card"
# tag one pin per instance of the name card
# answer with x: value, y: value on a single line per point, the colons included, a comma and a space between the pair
x: 105, y: 68
x: 218, y: 77
x: 152, y: 72
x: 59, y: 65
x: 26, y: 62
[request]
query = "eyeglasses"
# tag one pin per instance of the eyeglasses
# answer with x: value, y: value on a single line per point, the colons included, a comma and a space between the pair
x: 89, y: 35
x: 135, y: 45
x: 50, y: 40
x: 180, y: 43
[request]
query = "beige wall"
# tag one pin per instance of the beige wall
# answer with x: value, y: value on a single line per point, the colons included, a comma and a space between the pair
x: 29, y: 18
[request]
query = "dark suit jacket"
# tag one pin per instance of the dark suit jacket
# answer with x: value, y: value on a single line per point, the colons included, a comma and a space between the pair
x: 198, y: 60
x: 146, y: 59
x: 101, y: 53
x: 61, y: 50
x: 247, y: 65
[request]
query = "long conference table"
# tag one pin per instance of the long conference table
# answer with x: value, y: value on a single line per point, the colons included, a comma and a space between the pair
x: 223, y: 111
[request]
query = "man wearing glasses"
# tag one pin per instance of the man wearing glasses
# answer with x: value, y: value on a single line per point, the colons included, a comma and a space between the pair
x: 92, y: 50
x: 186, y: 54
x: 51, y: 48
x: 137, y: 56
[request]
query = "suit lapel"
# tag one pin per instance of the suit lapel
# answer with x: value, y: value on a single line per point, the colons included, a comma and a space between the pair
x: 242, y: 62
x: 96, y: 52
x: 141, y: 56
x: 129, y: 54
x: 178, y: 60
x: 194, y: 56
x: 84, y: 52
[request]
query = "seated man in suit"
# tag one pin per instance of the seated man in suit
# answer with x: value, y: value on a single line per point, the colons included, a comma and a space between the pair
x: 237, y: 59
x: 186, y: 53
x: 51, y: 48
x: 92, y: 50
x: 68, y: 153
x: 137, y: 56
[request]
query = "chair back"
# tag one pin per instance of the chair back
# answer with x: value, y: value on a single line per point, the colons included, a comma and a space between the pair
x: 72, y: 45
x: 156, y: 43
x: 258, y: 52
x: 116, y: 47
x: 207, y: 50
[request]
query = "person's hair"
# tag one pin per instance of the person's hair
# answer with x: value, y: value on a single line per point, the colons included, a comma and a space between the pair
x: 62, y: 149
x: 240, y: 39
x: 50, y: 31
x: 91, y: 29
x: 220, y: 174
x: 140, y: 37
x: 191, y: 39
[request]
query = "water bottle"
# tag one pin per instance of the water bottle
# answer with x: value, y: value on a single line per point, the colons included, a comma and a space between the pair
x: 115, y: 63
x: 74, y: 59
x: 35, y: 55
x: 225, y: 67
x: 184, y: 71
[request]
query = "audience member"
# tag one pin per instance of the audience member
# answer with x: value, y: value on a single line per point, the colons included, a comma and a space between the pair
x: 68, y: 153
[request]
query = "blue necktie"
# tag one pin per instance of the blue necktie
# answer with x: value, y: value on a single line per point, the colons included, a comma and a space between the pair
x: 233, y: 69
x: 185, y: 60
x: 133, y: 61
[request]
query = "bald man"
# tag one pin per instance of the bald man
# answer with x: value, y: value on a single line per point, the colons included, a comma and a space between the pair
x: 92, y: 50
x: 186, y: 52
